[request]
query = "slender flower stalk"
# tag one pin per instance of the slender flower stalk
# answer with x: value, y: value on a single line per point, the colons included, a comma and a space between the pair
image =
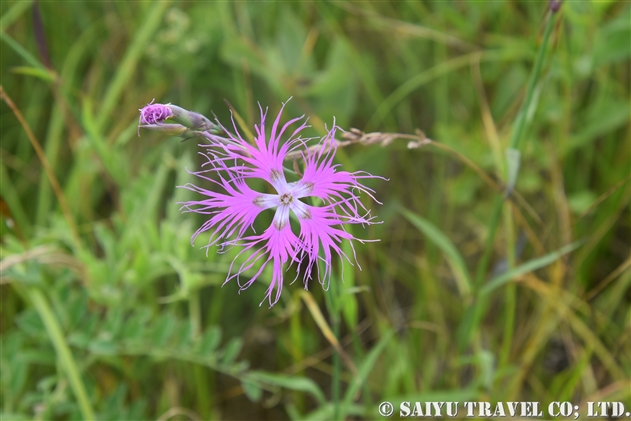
x: 232, y: 206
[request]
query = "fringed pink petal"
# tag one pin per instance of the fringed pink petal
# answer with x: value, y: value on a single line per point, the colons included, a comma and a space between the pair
x: 232, y: 211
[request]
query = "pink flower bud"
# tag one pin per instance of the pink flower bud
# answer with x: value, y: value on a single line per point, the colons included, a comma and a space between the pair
x: 154, y: 114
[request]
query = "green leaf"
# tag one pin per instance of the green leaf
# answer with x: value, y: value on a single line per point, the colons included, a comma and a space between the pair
x: 453, y: 256
x: 486, y: 362
x: 43, y: 356
x: 459, y: 395
x: 210, y: 340
x: 528, y: 267
x: 184, y: 335
x: 364, y: 370
x: 251, y: 390
x: 513, y: 157
x: 471, y: 320
x: 90, y: 324
x: 26, y: 273
x: 30, y: 322
x: 14, y: 367
x: 103, y: 347
x: 231, y: 351
x: 301, y: 384
x: 580, y: 201
x: 114, y: 321
x: 77, y: 308
x: 23, y: 52
x: 43, y: 74
x: 290, y: 39
x: 126, y: 68
x: 79, y: 339
x: 8, y: 17
x: 134, y: 327
x: 334, y: 89
x: 600, y: 121
x: 14, y: 416
x: 163, y: 329
x: 612, y: 43
x: 326, y: 412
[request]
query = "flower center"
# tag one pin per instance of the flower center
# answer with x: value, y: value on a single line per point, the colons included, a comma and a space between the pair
x: 286, y: 198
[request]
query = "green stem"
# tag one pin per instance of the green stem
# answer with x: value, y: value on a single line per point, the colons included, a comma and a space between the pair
x: 63, y: 351
x: 480, y: 304
x: 296, y: 350
x: 510, y: 303
x: 126, y: 68
x: 510, y: 294
x: 51, y: 149
x: 202, y: 391
x: 195, y: 317
x: 514, y: 144
x: 331, y: 299
x: 521, y: 117
x: 488, y: 247
x: 12, y: 197
x: 195, y: 313
x: 337, y: 365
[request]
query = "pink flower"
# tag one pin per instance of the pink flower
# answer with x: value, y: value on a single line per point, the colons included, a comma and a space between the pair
x: 154, y: 113
x: 233, y: 210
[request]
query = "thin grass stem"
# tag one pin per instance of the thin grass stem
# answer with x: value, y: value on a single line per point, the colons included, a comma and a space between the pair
x: 337, y: 363
x: 47, y: 167
x: 331, y: 300
x: 63, y: 351
x: 514, y: 144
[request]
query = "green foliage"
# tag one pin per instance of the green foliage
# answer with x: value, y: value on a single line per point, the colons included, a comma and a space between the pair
x: 471, y: 294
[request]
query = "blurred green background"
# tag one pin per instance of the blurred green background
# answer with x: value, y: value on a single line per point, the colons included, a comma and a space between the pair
x: 107, y: 311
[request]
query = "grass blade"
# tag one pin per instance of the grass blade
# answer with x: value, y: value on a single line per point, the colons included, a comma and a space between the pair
x: 13, y: 13
x: 453, y: 256
x: 127, y: 66
x: 63, y: 351
x: 301, y: 384
x: 23, y: 52
x: 528, y: 267
x: 364, y: 370
x: 319, y: 319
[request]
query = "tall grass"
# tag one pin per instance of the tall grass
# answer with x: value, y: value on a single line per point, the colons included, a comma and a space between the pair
x: 502, y: 273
